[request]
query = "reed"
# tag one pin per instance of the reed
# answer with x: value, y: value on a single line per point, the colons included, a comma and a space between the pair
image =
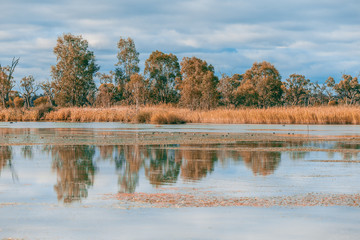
x: 173, y: 115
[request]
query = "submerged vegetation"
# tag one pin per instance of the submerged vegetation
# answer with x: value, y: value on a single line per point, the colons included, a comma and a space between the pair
x: 169, y: 92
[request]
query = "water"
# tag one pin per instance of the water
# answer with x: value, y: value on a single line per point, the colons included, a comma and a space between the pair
x: 50, y: 189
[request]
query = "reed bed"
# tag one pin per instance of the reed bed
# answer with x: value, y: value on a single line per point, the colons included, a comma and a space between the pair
x: 173, y: 115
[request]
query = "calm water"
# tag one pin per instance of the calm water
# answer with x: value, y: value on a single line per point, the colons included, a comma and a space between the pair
x: 57, y: 191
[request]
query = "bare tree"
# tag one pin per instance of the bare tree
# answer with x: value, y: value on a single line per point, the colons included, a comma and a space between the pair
x: 6, y: 80
x: 29, y: 89
x: 48, y: 89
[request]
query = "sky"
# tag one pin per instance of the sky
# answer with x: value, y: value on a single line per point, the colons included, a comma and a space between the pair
x: 315, y: 38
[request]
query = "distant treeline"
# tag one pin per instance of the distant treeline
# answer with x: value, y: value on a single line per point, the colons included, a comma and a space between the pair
x: 192, y: 83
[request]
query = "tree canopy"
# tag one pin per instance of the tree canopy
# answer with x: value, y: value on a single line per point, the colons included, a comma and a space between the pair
x: 74, y: 71
x: 163, y: 72
x: 198, y: 85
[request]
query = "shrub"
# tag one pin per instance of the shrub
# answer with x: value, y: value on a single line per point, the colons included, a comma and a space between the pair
x: 333, y: 103
x: 18, y: 102
x: 40, y: 101
x: 166, y: 118
x: 143, y: 117
x: 43, y: 109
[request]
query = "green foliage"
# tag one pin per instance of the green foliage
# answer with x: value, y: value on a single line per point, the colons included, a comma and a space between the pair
x: 348, y: 89
x: 6, y: 81
x: 128, y: 60
x: 198, y: 85
x: 227, y: 88
x: 137, y: 90
x: 40, y: 101
x: 29, y: 88
x: 105, y: 95
x: 163, y: 71
x: 18, y: 102
x: 246, y: 95
x: 192, y: 83
x: 49, y: 91
x: 73, y: 74
x: 266, y: 82
x: 296, y: 89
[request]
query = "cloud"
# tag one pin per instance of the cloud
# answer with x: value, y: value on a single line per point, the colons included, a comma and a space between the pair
x: 315, y: 38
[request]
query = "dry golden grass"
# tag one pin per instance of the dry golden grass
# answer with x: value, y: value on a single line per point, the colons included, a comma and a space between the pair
x: 9, y: 115
x: 164, y: 117
x: 282, y: 115
x: 173, y: 115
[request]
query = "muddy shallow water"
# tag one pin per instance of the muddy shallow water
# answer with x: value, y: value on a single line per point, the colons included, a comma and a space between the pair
x: 111, y: 181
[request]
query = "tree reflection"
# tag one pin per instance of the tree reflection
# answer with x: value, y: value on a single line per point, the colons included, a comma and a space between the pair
x: 27, y: 152
x: 261, y: 163
x: 164, y: 166
x: 75, y: 170
x: 129, y: 160
x: 196, y: 164
x: 5, y: 157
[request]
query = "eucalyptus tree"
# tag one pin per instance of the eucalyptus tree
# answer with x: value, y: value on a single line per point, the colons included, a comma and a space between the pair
x: 29, y: 88
x: 163, y: 72
x: 106, y: 92
x: 137, y: 90
x: 127, y: 65
x: 73, y: 74
x: 297, y: 89
x: 227, y: 87
x: 6, y: 80
x: 48, y: 89
x: 348, y: 89
x: 265, y: 80
x: 198, y: 84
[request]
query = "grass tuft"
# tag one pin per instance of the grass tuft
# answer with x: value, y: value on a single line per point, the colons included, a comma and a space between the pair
x: 166, y: 118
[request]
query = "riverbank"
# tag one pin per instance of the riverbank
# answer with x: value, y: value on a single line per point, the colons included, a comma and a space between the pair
x: 173, y: 115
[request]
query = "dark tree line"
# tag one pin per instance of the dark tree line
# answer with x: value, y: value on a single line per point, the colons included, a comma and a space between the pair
x: 191, y: 83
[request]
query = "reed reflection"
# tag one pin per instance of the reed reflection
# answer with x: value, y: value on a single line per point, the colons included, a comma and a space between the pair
x: 6, y: 156
x: 75, y: 171
x: 27, y: 152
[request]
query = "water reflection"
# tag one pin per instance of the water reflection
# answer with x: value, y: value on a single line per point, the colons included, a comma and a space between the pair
x: 129, y: 160
x: 27, y: 152
x: 163, y: 166
x: 5, y: 157
x: 262, y: 163
x: 75, y: 171
x: 197, y: 163
x: 75, y: 166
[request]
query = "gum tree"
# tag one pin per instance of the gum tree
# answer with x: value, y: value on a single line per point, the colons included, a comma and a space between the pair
x: 127, y: 65
x: 198, y: 85
x: 74, y: 71
x: 266, y: 81
x: 29, y: 88
x: 163, y: 71
x: 6, y: 80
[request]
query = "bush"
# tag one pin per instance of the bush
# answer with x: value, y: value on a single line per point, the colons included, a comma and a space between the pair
x: 143, y: 117
x: 43, y: 109
x: 166, y: 118
x: 40, y: 101
x: 333, y: 103
x: 18, y: 102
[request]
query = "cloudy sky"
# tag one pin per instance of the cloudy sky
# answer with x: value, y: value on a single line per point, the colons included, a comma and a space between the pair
x: 316, y: 38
